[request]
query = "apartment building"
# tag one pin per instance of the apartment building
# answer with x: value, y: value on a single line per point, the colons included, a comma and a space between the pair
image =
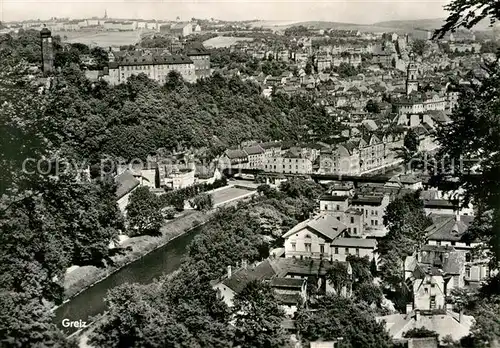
x: 155, y: 66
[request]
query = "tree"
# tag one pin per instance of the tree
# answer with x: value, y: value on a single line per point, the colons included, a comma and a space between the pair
x: 406, y: 221
x: 25, y: 322
x: 372, y: 107
x: 179, y: 311
x: 335, y: 316
x: 308, y: 69
x: 338, y: 275
x: 468, y: 13
x: 369, y: 293
x: 419, y: 46
x: 258, y: 317
x: 411, y: 141
x: 203, y: 202
x: 144, y: 212
x: 421, y: 332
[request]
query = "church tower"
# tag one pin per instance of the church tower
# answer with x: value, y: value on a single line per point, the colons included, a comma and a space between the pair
x: 412, y: 76
x: 47, y: 50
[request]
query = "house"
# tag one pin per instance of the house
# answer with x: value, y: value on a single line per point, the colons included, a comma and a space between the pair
x: 146, y: 175
x: 290, y: 293
x: 445, y: 323
x: 312, y: 238
x: 452, y: 231
x: 360, y: 247
x: 179, y: 178
x: 372, y: 209
x: 126, y: 184
x: 201, y: 60
x: 292, y: 162
x: 236, y: 159
x: 311, y: 268
x: 255, y: 155
x: 181, y: 29
x: 233, y: 283
x: 155, y: 66
x: 206, y: 174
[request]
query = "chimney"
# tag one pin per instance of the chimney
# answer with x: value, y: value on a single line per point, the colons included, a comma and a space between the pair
x: 244, y: 264
x: 460, y: 316
x: 229, y: 273
x: 409, y: 308
x: 449, y: 307
x: 457, y: 216
x: 417, y: 315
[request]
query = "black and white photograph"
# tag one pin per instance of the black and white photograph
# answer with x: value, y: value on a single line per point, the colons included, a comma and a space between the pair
x: 249, y: 174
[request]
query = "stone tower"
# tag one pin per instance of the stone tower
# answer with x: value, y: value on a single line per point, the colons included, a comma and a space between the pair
x: 47, y: 51
x: 412, y: 76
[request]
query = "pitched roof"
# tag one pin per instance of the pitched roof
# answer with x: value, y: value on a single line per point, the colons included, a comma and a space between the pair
x: 367, y: 200
x: 444, y: 324
x: 233, y: 154
x: 291, y: 266
x: 292, y: 283
x: 331, y: 198
x: 126, y: 182
x: 326, y: 225
x: 355, y: 242
x: 447, y: 228
x: 153, y: 59
x: 254, y: 150
x: 242, y: 277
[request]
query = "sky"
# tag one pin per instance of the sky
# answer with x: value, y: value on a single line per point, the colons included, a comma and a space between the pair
x: 346, y: 11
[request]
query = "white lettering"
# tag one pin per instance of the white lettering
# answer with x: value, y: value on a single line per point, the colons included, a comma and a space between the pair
x: 76, y: 324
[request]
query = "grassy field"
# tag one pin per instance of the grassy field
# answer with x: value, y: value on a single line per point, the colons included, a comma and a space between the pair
x: 101, y: 38
x: 229, y: 193
x: 224, y: 41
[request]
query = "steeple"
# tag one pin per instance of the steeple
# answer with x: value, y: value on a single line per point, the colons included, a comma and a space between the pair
x: 47, y: 50
x: 412, y: 76
x: 105, y: 14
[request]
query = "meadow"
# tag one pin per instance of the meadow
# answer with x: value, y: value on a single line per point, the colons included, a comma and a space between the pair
x: 101, y: 38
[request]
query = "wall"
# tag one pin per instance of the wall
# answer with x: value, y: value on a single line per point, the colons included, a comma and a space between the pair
x: 300, y: 240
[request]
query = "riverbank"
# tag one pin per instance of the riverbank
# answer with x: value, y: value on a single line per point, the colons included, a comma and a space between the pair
x: 82, y: 278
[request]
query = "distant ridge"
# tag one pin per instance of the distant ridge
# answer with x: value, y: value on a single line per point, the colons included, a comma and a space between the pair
x: 396, y: 25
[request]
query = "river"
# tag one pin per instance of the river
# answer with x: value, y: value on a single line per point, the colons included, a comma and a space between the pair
x: 162, y: 261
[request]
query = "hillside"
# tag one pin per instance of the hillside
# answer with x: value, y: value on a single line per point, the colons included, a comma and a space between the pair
x: 397, y: 26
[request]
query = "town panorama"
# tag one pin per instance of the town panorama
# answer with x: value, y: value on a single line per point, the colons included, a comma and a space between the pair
x: 204, y: 182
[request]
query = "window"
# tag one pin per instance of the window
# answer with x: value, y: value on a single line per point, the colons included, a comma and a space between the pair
x: 426, y: 290
x: 357, y: 252
x: 347, y: 251
x: 355, y: 230
x: 294, y: 246
x: 467, y: 272
x: 338, y: 207
x: 326, y: 207
x: 352, y: 220
x: 336, y: 250
x: 308, y: 247
x: 376, y: 222
x: 438, y: 242
x: 322, y: 249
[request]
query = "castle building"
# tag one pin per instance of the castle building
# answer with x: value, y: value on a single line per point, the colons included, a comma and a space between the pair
x: 47, y: 51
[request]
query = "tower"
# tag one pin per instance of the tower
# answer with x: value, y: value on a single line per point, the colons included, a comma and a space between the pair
x: 412, y: 76
x: 47, y: 50
x: 105, y: 14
